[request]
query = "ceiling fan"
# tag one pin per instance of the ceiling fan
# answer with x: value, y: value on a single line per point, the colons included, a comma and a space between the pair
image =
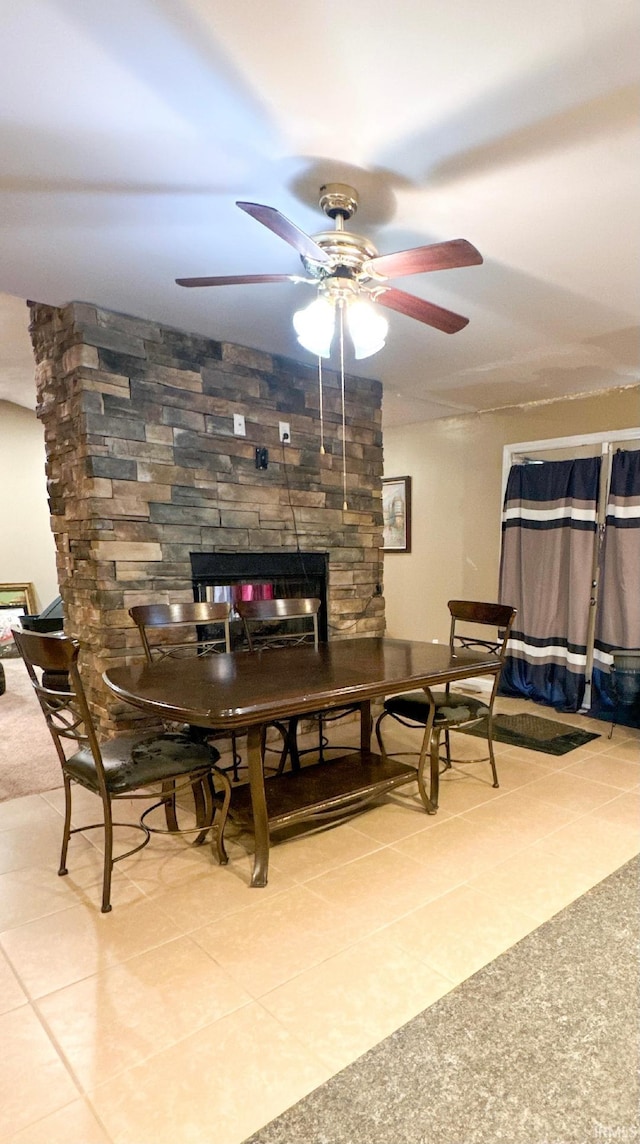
x: 349, y: 274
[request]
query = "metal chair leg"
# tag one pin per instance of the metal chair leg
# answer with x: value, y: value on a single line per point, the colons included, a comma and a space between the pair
x: 108, y: 856
x: 221, y: 813
x: 66, y: 833
x: 169, y: 800
x: 429, y: 744
x: 491, y: 754
x: 289, y: 732
x: 203, y: 805
x: 434, y: 767
x: 320, y: 738
x: 381, y: 745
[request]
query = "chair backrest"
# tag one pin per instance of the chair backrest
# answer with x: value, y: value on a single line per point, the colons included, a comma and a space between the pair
x: 163, y: 628
x: 66, y: 712
x: 279, y: 623
x: 476, y: 612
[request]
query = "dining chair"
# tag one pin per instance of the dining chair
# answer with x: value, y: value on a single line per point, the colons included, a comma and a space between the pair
x: 280, y: 623
x: 177, y: 630
x: 124, y: 767
x: 438, y: 713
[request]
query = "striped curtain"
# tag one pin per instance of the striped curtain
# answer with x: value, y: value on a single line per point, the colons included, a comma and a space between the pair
x: 618, y: 615
x: 549, y: 530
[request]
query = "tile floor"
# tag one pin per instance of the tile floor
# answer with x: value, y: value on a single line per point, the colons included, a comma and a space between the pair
x: 200, y: 1009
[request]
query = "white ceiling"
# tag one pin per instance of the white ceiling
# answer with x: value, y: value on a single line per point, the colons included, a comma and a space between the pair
x: 128, y: 129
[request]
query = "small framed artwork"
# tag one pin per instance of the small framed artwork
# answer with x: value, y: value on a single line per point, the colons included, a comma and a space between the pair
x: 396, y: 514
x: 16, y: 600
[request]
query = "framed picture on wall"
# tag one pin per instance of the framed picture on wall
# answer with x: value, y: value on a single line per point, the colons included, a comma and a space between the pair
x: 16, y: 600
x: 396, y: 514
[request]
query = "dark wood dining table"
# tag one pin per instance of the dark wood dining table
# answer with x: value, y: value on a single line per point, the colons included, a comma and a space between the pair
x: 230, y: 691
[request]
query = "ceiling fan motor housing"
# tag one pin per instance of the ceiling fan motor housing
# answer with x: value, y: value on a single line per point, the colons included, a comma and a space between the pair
x: 348, y: 253
x: 338, y: 200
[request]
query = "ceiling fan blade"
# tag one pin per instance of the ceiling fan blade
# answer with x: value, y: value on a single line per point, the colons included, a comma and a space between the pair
x: 236, y: 279
x: 285, y: 229
x: 422, y: 310
x: 438, y: 256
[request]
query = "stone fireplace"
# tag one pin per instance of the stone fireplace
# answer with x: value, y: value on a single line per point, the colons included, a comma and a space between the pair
x: 147, y: 481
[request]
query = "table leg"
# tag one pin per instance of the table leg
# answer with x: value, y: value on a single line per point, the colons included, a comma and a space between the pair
x: 258, y: 806
x: 365, y: 727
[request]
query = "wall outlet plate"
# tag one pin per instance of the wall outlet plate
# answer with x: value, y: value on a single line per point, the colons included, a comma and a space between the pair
x: 285, y: 432
x: 239, y: 429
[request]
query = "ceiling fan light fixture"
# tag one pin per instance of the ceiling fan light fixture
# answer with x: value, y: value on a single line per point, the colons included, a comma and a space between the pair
x: 367, y: 327
x: 315, y: 326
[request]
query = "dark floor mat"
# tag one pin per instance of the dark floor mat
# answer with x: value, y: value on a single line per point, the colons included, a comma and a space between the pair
x: 534, y: 733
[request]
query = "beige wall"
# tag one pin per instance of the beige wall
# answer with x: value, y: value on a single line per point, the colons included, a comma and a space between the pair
x: 27, y: 549
x: 456, y: 470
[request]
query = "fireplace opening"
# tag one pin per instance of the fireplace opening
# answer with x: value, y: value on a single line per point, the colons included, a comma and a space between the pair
x: 233, y: 576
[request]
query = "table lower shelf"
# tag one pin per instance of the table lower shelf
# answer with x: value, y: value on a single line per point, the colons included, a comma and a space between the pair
x: 326, y: 788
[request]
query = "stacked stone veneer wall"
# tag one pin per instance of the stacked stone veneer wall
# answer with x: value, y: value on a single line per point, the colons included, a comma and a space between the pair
x: 143, y: 469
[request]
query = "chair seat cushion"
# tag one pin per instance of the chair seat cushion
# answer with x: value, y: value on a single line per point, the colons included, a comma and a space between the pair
x: 131, y: 761
x: 451, y: 708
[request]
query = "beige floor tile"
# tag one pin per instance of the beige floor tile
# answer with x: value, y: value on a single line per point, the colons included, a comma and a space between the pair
x: 529, y: 757
x: 74, y: 1124
x: 270, y: 942
x: 221, y: 1084
x: 624, y: 809
x: 601, y: 727
x: 217, y: 891
x: 31, y: 811
x: 309, y: 853
x: 579, y: 755
x: 115, y: 1019
x: 384, y: 896
x: 367, y: 992
x: 397, y: 818
x: 460, y: 791
x: 82, y: 801
x: 536, y: 882
x: 571, y: 791
x: 35, y: 891
x: 168, y: 862
x: 377, y: 888
x: 57, y: 950
x: 595, y: 746
x: 514, y: 774
x: 38, y: 845
x: 460, y: 932
x: 458, y: 850
x: 607, y: 769
x: 628, y: 750
x: 33, y: 1080
x: 12, y: 995
x: 597, y: 845
x: 528, y: 817
x: 469, y: 749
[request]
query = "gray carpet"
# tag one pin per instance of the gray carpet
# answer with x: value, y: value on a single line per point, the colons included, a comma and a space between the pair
x: 540, y: 1047
x: 28, y: 760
